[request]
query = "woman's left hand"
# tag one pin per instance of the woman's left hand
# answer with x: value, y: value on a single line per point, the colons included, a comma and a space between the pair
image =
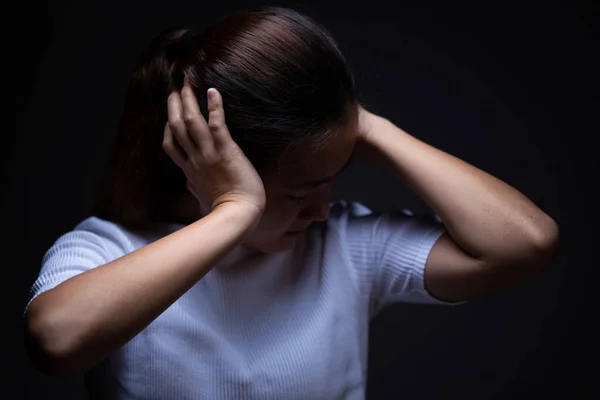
x: 364, y: 123
x: 367, y: 126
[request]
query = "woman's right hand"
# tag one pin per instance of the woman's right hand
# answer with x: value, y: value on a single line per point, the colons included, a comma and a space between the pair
x: 216, y: 168
x: 84, y: 319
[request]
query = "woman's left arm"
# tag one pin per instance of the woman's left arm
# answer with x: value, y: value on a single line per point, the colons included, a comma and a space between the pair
x: 496, y: 237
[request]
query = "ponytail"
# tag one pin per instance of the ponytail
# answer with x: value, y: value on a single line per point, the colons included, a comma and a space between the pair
x: 138, y: 167
x: 286, y: 91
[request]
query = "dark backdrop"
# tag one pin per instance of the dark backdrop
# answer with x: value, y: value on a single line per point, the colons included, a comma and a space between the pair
x: 506, y: 88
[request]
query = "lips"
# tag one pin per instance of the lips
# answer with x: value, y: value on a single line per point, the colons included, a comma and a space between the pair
x: 297, y: 231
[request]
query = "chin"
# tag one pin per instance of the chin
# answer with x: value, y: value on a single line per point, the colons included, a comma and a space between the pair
x: 274, y: 246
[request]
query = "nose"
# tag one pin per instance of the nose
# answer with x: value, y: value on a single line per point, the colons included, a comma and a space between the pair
x: 316, y: 210
x: 319, y: 212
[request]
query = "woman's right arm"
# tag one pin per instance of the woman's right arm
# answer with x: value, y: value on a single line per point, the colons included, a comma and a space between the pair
x: 75, y: 325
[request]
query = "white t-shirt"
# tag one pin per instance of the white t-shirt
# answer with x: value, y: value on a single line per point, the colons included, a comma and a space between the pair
x: 289, y: 325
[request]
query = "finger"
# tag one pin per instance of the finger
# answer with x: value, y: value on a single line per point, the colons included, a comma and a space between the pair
x: 193, y: 118
x: 216, y: 117
x: 177, y: 125
x: 173, y: 150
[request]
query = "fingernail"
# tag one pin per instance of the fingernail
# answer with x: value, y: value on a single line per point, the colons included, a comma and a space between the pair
x: 212, y: 93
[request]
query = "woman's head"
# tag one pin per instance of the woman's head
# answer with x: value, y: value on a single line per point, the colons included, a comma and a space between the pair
x: 290, y: 104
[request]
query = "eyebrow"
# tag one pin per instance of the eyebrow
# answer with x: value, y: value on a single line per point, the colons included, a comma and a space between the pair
x: 317, y: 182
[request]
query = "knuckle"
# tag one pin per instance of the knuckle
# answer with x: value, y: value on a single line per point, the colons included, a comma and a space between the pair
x: 174, y: 124
x: 214, y: 124
x: 189, y: 119
x: 219, y: 112
x: 216, y: 113
x: 195, y: 165
x: 209, y: 158
x: 212, y: 158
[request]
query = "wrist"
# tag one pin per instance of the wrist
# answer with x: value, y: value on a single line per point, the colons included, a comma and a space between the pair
x: 242, y: 214
x: 368, y: 124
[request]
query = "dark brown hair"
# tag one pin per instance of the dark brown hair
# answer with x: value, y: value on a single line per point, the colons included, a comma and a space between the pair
x: 284, y: 83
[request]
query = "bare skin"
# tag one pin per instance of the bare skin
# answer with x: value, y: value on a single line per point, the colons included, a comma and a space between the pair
x: 293, y: 204
x: 496, y: 237
x: 74, y: 326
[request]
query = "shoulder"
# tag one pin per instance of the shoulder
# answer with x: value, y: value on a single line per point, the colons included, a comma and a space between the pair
x: 344, y: 211
x: 108, y: 238
x: 369, y: 236
x: 100, y: 227
x: 346, y: 208
x: 345, y: 214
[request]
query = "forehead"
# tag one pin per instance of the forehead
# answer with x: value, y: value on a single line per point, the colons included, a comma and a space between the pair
x: 303, y: 165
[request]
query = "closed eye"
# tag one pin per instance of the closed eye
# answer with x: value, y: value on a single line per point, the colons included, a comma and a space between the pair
x: 320, y: 182
x: 296, y: 198
x: 301, y: 197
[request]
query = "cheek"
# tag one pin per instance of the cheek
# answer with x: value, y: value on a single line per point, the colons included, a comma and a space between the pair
x: 278, y: 217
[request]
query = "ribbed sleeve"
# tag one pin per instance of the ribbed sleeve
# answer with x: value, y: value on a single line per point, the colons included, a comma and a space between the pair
x: 291, y: 325
x: 404, y: 243
x: 90, y: 244
x: 387, y: 252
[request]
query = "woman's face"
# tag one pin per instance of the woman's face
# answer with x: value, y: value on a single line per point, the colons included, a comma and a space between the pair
x: 298, y: 194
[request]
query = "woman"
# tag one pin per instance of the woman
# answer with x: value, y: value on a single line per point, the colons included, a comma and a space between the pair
x: 215, y: 266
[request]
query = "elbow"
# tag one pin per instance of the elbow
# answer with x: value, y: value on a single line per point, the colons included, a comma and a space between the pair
x: 49, y: 348
x: 545, y: 244
x: 536, y: 254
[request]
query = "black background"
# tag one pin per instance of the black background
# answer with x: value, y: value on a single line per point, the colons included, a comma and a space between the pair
x: 508, y: 88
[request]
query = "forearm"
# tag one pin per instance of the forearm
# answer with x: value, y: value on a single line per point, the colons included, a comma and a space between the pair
x: 80, y: 321
x: 485, y: 216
